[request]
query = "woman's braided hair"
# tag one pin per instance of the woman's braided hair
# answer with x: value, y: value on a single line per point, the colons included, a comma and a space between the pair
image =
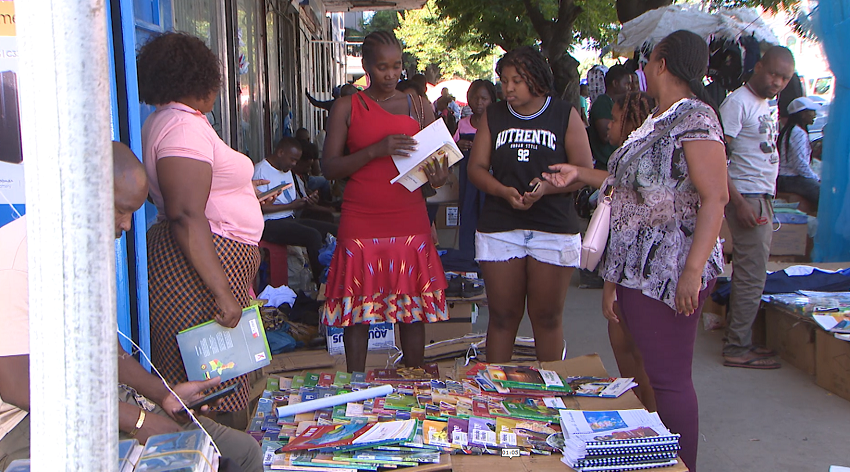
x: 686, y: 56
x: 375, y: 39
x: 532, y: 67
x: 636, y: 106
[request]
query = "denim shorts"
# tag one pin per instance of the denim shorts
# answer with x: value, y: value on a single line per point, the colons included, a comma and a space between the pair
x: 550, y: 248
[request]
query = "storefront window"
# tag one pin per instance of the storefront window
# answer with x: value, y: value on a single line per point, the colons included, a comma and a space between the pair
x: 248, y: 63
x: 204, y: 19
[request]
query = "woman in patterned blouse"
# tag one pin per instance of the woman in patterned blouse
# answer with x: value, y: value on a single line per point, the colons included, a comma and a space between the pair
x: 663, y: 253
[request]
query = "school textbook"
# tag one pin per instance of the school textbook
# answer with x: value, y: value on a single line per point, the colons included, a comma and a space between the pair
x: 211, y: 350
x: 434, y: 141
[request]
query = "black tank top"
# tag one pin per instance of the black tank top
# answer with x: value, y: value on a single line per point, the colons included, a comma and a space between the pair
x: 523, y: 148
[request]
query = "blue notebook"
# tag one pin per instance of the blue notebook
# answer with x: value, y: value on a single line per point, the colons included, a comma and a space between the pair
x: 211, y: 350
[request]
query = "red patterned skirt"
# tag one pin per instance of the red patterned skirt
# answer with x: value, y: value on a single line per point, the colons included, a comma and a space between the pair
x: 395, y: 280
x: 179, y: 299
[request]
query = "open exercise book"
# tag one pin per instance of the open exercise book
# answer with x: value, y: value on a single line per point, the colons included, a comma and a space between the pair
x: 433, y: 141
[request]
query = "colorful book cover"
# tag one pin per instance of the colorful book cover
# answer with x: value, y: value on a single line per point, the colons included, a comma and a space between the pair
x: 273, y: 384
x: 463, y: 407
x: 390, y: 432
x: 482, y: 432
x: 309, y: 393
x: 480, y: 407
x: 284, y: 462
x: 399, y: 402
x: 325, y: 392
x: 358, y: 378
x: 530, y: 408
x: 316, y: 437
x: 458, y: 432
x: 387, y: 456
x: 297, y: 382
x: 435, y: 433
x: 526, y: 378
x: 311, y: 379
x: 284, y: 383
x: 505, y: 434
x: 211, y: 350
x: 341, y: 379
x: 447, y: 409
x: 326, y: 379
x: 323, y: 459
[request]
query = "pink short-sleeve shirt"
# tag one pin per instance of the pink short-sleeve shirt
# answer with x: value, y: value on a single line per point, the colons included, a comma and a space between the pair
x: 177, y: 130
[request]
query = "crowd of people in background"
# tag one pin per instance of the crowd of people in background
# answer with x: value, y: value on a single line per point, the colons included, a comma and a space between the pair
x: 650, y: 138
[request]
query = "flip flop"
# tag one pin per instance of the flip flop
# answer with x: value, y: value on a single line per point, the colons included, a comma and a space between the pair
x: 761, y: 363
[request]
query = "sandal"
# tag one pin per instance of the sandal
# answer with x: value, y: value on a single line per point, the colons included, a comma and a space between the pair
x: 762, y: 363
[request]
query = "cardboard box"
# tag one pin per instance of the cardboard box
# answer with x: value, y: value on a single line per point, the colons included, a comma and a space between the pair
x: 833, y: 364
x: 448, y: 216
x: 793, y: 337
x: 788, y: 240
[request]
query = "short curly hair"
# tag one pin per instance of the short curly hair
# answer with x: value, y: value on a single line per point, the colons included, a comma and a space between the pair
x: 174, y: 66
x: 532, y: 67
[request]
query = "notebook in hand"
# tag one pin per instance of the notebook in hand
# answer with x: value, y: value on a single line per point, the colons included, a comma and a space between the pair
x: 211, y: 350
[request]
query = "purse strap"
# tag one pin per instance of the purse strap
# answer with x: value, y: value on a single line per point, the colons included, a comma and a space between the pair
x: 622, y: 169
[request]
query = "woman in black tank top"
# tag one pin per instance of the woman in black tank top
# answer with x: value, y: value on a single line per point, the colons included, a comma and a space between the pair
x: 527, y: 242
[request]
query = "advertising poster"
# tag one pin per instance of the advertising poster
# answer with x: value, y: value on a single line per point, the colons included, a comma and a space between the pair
x: 11, y: 158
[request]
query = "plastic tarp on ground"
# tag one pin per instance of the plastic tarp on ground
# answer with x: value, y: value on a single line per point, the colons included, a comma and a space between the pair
x: 726, y: 23
x: 832, y: 242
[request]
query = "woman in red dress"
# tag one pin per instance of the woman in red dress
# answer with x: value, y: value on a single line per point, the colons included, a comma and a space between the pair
x: 385, y: 268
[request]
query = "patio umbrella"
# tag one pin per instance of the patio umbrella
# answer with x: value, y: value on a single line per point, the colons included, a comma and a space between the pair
x: 727, y: 23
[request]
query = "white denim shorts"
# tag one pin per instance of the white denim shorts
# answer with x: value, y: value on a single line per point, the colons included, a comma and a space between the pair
x: 550, y: 248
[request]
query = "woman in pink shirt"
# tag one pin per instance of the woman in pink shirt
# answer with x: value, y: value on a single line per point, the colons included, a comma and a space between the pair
x: 203, y: 250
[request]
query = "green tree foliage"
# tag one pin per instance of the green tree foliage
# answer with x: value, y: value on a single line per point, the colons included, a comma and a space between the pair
x: 426, y: 36
x: 553, y: 25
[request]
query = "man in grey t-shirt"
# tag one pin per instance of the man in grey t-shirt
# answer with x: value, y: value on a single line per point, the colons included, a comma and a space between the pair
x: 751, y: 126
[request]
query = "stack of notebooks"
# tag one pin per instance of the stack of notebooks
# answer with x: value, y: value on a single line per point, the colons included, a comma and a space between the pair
x: 616, y: 440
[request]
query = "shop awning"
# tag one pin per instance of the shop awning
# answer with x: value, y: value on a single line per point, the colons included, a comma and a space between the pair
x: 372, y: 5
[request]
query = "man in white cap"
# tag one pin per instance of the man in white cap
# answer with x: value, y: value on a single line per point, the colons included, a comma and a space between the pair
x: 795, y: 152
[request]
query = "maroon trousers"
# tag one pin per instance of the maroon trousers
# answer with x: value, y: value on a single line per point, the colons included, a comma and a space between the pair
x: 666, y: 339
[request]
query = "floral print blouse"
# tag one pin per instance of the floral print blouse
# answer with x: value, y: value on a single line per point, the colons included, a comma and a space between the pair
x: 655, y: 204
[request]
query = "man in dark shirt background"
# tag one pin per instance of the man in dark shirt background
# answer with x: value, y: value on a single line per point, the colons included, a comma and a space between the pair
x: 617, y: 82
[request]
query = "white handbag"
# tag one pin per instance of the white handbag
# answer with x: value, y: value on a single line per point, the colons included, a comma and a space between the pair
x: 596, y: 237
